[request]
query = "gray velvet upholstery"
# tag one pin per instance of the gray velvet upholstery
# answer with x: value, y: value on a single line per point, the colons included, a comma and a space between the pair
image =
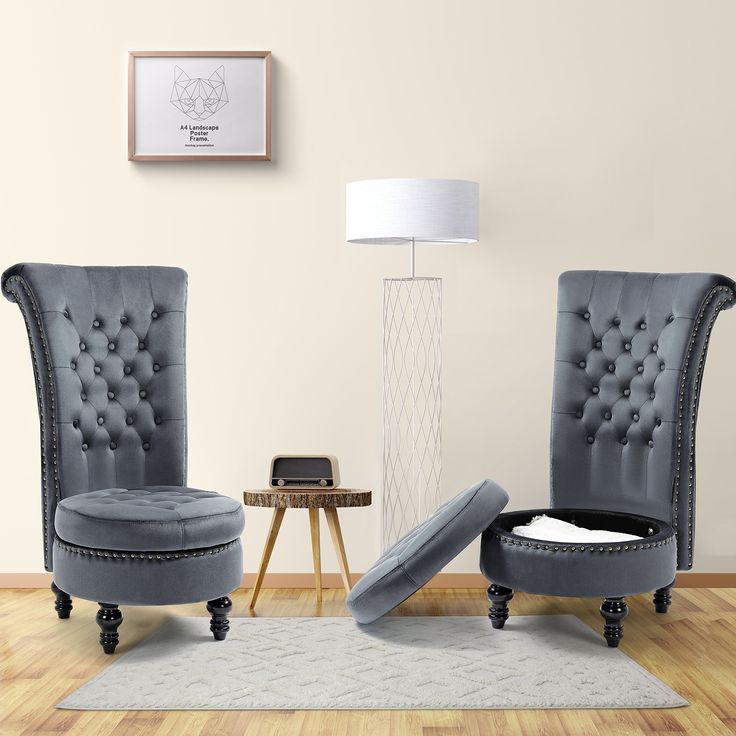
x: 159, y: 578
x: 107, y: 346
x: 629, y: 356
x: 417, y: 557
x: 566, y: 569
x: 629, y: 359
x: 158, y: 518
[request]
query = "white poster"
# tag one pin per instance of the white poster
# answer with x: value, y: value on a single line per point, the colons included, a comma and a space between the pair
x: 199, y: 105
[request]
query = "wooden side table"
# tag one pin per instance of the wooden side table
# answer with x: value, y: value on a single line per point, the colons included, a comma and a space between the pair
x: 330, y: 501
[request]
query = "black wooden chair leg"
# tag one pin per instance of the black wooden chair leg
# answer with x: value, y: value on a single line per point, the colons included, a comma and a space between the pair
x: 614, y: 611
x: 499, y: 597
x: 219, y: 609
x: 663, y: 597
x: 63, y: 604
x: 109, y: 617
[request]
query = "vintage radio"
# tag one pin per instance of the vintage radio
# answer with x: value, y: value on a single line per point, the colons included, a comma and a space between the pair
x: 304, y: 472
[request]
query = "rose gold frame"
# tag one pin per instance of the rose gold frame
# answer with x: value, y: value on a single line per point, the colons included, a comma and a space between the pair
x: 133, y: 156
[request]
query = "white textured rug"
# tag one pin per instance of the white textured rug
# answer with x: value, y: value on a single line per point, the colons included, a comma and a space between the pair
x: 397, y: 662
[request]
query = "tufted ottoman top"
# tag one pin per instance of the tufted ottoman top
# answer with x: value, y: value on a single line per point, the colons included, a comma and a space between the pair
x: 149, y: 519
x: 424, y: 551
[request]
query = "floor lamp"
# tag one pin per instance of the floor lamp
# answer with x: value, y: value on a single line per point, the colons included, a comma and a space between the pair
x: 408, y: 212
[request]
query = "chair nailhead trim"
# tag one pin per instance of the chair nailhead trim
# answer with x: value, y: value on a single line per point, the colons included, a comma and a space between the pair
x: 692, y: 409
x: 52, y: 401
x: 143, y: 555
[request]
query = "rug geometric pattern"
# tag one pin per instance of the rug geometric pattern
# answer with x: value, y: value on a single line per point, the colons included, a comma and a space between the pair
x: 439, y: 662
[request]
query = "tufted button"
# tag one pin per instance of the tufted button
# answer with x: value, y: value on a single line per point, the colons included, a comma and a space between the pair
x: 110, y: 395
x: 643, y: 326
x: 82, y: 346
x: 66, y: 313
x: 595, y: 389
x: 671, y: 318
x: 651, y: 394
x: 158, y: 420
x: 142, y: 394
x: 84, y: 446
x: 627, y: 392
x: 146, y: 446
x: 127, y: 370
x: 111, y: 345
x: 73, y: 365
x: 590, y: 439
x: 627, y: 346
x: 95, y: 323
x: 154, y: 314
x: 607, y: 415
x: 586, y: 315
x: 83, y: 396
x: 582, y: 364
x: 579, y: 414
x: 97, y: 369
x: 141, y: 345
x: 156, y: 367
x: 129, y: 420
x: 635, y: 417
x: 611, y: 368
x: 598, y: 343
x: 624, y: 441
x: 659, y: 422
x: 651, y: 443
x: 100, y: 420
x: 640, y: 369
x: 655, y: 347
x: 616, y: 321
x: 123, y: 320
x: 75, y: 423
x: 113, y: 446
x: 661, y: 366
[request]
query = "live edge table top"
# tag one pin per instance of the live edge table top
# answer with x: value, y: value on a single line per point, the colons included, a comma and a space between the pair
x: 291, y: 499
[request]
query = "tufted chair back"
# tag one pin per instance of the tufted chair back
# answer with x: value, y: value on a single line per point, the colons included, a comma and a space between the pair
x: 107, y: 346
x: 629, y: 359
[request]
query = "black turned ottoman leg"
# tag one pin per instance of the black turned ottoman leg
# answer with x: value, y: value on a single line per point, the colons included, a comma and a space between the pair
x: 499, y: 610
x: 614, y: 611
x: 219, y: 624
x: 663, y: 598
x: 109, y: 617
x: 63, y: 604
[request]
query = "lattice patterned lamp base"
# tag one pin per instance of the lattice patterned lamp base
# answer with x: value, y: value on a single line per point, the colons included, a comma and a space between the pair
x: 412, y: 398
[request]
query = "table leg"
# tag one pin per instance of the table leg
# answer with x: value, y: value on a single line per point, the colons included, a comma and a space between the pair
x: 316, y: 557
x: 334, y: 525
x: 273, y: 532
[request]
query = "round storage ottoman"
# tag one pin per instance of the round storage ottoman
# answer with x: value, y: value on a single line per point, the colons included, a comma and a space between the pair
x: 580, y: 569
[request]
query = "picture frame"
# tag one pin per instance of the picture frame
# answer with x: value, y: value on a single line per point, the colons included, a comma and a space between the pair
x: 199, y: 106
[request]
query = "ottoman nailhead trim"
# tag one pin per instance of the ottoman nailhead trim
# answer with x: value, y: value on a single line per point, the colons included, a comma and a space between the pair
x: 144, y: 555
x: 626, y: 548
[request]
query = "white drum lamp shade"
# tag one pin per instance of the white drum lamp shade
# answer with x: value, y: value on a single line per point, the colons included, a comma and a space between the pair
x: 399, y: 211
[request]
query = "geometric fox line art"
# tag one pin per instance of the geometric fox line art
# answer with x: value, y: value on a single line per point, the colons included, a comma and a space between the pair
x: 199, y: 98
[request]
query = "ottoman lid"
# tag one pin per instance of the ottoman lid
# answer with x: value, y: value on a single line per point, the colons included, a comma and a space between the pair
x: 425, y: 550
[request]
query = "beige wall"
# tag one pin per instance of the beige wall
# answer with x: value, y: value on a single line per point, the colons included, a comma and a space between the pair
x: 603, y: 136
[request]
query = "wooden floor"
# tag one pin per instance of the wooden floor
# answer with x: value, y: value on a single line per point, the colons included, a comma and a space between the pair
x: 692, y: 648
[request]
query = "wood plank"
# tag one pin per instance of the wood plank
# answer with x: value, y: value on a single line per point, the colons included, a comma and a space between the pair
x: 692, y: 648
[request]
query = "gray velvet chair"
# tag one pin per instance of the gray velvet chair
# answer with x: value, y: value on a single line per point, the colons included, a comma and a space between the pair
x: 120, y: 525
x: 629, y: 363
